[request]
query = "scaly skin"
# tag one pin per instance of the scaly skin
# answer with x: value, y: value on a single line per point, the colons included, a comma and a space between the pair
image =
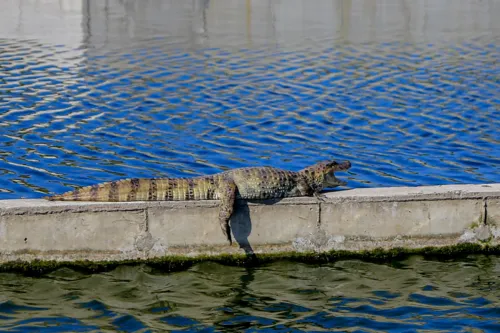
x: 244, y: 183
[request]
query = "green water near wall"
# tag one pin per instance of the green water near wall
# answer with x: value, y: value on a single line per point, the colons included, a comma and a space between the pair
x: 403, y: 295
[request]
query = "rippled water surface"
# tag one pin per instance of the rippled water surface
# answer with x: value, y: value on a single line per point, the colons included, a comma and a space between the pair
x: 93, y: 91
x: 412, y: 295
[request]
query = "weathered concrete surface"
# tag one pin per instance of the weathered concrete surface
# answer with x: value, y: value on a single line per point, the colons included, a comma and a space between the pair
x: 493, y: 217
x: 359, y: 219
x: 392, y: 218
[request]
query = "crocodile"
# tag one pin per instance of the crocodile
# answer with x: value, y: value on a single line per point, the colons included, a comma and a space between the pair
x: 249, y: 183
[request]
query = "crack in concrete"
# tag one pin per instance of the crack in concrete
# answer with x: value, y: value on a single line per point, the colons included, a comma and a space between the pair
x: 485, y: 211
x: 318, y: 221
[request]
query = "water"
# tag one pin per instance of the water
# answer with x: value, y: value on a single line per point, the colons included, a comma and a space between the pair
x: 415, y: 294
x: 92, y: 91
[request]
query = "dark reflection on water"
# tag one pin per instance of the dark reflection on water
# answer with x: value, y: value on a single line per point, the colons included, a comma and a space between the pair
x: 415, y: 294
x: 176, y: 89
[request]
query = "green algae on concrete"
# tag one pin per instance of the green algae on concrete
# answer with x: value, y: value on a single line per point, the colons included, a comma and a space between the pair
x: 179, y: 263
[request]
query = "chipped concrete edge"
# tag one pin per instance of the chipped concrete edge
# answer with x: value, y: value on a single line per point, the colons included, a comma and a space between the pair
x: 351, y: 220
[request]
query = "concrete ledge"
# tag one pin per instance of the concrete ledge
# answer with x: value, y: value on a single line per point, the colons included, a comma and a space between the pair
x: 352, y: 220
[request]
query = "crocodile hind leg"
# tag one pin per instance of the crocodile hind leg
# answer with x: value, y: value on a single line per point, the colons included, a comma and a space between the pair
x: 227, y: 194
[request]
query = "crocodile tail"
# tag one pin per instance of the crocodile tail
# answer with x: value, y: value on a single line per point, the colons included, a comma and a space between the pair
x: 121, y: 190
x: 144, y: 189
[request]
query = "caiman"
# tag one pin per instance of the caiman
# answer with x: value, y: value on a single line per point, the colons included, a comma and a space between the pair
x: 251, y: 183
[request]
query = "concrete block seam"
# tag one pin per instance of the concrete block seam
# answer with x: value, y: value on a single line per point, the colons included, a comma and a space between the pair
x: 485, y: 211
x: 144, y: 241
x: 145, y: 225
x: 318, y: 220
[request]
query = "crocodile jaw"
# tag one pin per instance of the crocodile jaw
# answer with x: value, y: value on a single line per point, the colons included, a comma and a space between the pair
x: 332, y: 181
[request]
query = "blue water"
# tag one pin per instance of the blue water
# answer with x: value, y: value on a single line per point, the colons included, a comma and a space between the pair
x: 411, y: 295
x: 178, y: 102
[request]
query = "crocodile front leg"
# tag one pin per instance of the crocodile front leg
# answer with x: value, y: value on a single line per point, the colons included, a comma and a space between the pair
x: 304, y: 189
x: 320, y: 196
x: 227, y: 194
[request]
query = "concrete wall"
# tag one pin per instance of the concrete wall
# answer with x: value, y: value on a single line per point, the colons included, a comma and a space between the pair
x: 359, y: 219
